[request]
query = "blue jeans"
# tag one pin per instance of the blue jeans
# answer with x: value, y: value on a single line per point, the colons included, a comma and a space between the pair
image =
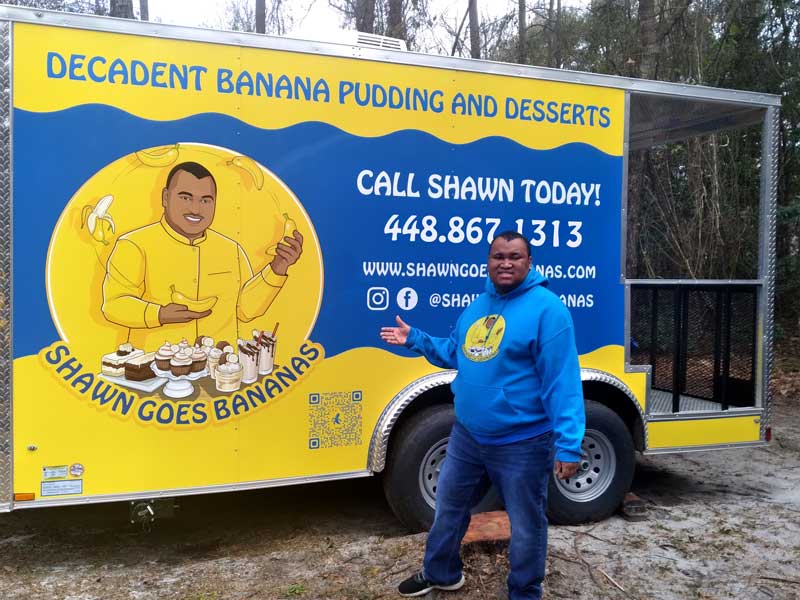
x: 520, y: 472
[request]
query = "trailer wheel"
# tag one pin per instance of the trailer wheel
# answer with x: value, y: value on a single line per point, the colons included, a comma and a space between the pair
x: 604, y: 475
x: 415, y: 459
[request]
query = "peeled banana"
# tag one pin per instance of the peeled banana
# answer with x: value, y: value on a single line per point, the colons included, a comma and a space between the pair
x: 97, y: 220
x: 289, y: 227
x: 251, y: 166
x: 195, y: 305
x: 159, y: 157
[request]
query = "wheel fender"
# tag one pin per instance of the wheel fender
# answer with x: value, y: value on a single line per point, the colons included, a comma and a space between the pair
x: 379, y: 442
x: 609, y: 379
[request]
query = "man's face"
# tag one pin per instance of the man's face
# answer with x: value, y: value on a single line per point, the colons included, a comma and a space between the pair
x: 509, y: 264
x: 189, y: 204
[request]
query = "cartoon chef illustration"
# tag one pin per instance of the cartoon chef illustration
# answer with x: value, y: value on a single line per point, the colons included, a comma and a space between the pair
x: 178, y: 278
x: 484, y: 337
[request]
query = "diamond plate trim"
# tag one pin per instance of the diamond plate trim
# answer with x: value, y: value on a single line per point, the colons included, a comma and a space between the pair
x: 6, y: 357
x: 768, y: 262
x: 379, y: 444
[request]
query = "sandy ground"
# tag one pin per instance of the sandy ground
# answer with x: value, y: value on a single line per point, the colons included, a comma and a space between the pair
x: 718, y: 525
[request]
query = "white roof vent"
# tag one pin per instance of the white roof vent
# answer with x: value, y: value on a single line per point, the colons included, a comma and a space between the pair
x: 371, y: 40
x: 350, y: 38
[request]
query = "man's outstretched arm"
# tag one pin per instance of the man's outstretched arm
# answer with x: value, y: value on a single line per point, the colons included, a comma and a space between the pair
x: 440, y: 352
x: 261, y: 289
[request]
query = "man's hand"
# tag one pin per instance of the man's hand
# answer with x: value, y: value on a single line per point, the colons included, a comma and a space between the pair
x: 287, y: 252
x: 396, y: 336
x: 179, y: 313
x: 565, y: 470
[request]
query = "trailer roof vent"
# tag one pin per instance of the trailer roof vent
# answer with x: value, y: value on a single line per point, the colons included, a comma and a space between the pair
x: 371, y: 40
x: 350, y: 38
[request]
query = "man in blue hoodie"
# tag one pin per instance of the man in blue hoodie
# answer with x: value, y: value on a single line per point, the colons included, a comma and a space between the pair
x: 518, y: 402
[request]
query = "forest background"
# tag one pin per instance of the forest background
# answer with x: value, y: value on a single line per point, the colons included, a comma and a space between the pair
x: 693, y: 205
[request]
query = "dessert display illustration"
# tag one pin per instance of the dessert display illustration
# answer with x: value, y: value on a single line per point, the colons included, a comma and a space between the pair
x: 266, y: 350
x: 177, y: 366
x: 248, y: 358
x: 140, y: 367
x: 114, y: 363
x: 229, y: 373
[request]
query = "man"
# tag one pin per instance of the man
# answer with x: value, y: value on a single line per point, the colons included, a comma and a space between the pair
x: 180, y: 257
x: 518, y: 399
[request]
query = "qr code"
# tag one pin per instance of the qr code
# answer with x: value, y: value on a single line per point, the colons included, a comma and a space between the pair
x: 334, y: 419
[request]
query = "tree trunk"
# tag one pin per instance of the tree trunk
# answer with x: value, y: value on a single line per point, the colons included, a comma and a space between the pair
x: 261, y: 16
x: 122, y: 9
x: 474, y: 30
x: 558, y: 59
x: 648, y: 38
x: 144, y: 10
x: 396, y: 26
x: 549, y: 33
x: 365, y: 16
x: 522, y: 52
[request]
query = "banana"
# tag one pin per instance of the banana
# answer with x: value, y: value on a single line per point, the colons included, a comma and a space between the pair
x: 289, y: 227
x: 249, y: 165
x: 159, y: 157
x: 97, y: 220
x: 195, y: 305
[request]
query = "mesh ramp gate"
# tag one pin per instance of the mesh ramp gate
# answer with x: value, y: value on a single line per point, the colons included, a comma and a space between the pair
x: 700, y: 341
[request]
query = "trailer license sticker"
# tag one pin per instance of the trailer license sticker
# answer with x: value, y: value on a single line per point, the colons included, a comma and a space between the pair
x: 69, y: 487
x: 59, y: 472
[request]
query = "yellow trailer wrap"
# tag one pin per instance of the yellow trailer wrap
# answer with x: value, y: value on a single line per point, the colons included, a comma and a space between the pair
x: 208, y: 230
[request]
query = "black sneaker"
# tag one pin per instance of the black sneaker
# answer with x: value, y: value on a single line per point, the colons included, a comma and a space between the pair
x: 417, y: 585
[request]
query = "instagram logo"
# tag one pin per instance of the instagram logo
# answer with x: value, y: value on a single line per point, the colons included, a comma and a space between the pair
x: 377, y: 298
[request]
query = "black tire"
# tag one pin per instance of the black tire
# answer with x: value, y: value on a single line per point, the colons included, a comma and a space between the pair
x: 416, y: 453
x: 605, y: 475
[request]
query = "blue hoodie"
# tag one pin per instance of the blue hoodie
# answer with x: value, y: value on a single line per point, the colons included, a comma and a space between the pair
x: 518, y: 372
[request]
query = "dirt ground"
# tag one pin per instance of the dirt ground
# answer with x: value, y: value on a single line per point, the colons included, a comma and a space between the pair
x: 718, y: 525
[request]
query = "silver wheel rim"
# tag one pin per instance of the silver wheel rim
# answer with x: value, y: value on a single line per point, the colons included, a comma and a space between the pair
x: 596, y: 471
x: 429, y: 472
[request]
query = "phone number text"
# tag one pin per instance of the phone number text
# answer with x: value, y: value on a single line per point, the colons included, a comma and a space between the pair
x: 457, y: 230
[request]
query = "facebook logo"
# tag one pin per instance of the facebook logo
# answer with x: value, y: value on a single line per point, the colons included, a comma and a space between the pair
x: 407, y: 298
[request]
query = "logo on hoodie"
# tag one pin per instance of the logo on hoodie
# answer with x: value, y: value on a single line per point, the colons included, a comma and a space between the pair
x: 483, y: 338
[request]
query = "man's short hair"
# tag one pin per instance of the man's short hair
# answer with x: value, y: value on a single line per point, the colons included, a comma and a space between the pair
x: 193, y: 168
x: 513, y: 235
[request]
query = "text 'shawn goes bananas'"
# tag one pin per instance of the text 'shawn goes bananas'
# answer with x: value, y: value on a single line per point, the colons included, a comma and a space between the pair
x: 97, y: 220
x: 195, y: 305
x: 289, y: 227
x: 248, y: 164
x: 159, y: 157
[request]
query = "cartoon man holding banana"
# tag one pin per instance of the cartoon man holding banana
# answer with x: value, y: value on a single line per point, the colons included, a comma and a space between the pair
x: 179, y: 279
